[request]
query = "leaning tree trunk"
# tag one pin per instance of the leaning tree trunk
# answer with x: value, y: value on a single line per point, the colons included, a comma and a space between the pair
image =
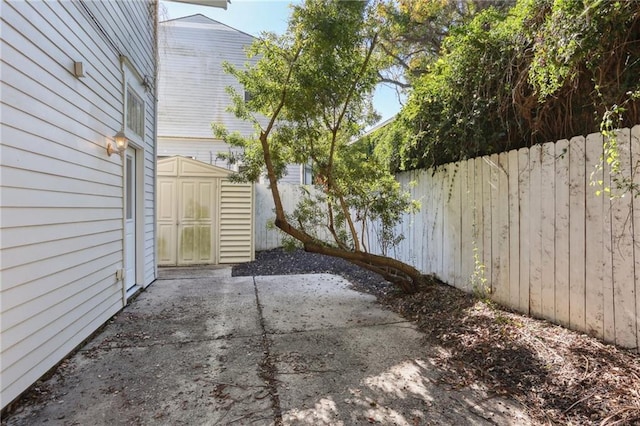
x: 404, y: 276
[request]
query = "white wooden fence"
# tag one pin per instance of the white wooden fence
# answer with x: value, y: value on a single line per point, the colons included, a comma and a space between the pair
x: 530, y: 224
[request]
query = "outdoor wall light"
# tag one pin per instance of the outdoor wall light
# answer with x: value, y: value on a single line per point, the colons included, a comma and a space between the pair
x: 121, y: 143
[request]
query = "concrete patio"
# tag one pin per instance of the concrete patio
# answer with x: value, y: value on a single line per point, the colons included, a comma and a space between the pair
x: 202, y: 347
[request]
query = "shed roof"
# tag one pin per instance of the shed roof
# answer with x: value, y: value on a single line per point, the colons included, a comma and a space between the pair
x: 187, y: 167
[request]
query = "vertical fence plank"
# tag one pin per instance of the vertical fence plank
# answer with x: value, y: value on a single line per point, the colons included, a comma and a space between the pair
x: 607, y: 262
x: 467, y: 206
x: 447, y: 231
x: 494, y: 272
x: 535, y: 228
x: 514, y: 231
x: 459, y: 176
x: 524, y: 191
x: 548, y: 230
x: 478, y: 224
x: 461, y: 205
x: 635, y: 170
x: 622, y: 253
x: 427, y: 213
x: 577, y: 255
x: 594, y: 215
x: 562, y: 232
x: 501, y: 233
x: 439, y: 195
x: 417, y: 194
x: 486, y: 220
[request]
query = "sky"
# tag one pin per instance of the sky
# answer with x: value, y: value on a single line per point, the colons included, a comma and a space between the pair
x: 256, y: 16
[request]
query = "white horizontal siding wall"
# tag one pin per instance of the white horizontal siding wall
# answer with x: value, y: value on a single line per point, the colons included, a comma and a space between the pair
x: 61, y: 196
x: 204, y: 150
x: 192, y: 89
x: 192, y: 84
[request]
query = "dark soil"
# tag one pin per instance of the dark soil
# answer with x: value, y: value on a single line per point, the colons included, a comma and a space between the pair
x: 560, y: 376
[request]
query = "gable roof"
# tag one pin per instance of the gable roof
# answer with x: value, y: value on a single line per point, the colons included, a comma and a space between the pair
x: 201, y: 21
x: 222, y: 4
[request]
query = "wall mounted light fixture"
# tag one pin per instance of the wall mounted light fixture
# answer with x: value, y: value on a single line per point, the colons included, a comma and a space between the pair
x: 121, y: 142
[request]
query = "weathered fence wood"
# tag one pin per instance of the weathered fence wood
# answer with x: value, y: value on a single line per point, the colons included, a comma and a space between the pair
x: 577, y: 188
x: 562, y: 298
x: 467, y: 224
x: 548, y: 226
x: 622, y: 250
x: 594, y: 249
x: 524, y: 191
x: 514, y: 230
x: 635, y: 170
x: 535, y: 231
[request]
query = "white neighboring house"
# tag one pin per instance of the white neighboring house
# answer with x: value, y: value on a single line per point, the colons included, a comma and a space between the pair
x: 192, y: 90
x: 77, y: 223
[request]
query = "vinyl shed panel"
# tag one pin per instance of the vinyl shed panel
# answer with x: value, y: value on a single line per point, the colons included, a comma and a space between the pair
x: 202, y: 217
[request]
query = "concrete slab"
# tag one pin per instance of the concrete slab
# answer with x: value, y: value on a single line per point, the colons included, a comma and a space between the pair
x: 201, y: 347
x: 351, y: 362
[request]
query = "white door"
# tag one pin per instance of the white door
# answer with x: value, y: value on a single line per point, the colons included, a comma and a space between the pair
x: 130, y: 220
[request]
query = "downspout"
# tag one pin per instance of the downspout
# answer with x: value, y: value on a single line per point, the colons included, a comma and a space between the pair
x: 156, y: 55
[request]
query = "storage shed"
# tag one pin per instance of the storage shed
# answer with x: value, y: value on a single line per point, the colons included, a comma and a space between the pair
x: 203, y: 218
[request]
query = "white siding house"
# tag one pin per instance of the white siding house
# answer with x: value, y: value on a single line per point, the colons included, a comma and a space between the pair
x: 77, y: 225
x: 192, y: 89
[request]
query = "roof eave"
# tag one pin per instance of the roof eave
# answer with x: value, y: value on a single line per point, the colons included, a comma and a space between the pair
x: 222, y: 4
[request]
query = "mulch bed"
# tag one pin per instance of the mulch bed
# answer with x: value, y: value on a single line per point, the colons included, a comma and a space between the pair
x: 559, y: 376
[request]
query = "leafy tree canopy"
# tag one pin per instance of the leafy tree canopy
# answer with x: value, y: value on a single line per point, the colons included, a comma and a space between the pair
x: 313, y: 84
x: 539, y: 71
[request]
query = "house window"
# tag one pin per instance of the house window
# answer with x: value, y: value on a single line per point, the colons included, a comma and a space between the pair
x: 247, y: 96
x: 135, y: 112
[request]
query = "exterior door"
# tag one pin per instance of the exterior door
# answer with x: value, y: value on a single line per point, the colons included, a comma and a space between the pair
x: 187, y: 221
x: 130, y: 219
x: 195, y: 225
x: 167, y: 221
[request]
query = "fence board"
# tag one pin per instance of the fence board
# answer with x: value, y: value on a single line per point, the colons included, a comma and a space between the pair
x: 502, y: 229
x: 594, y: 248
x: 635, y: 170
x: 514, y: 229
x: 438, y: 202
x: 607, y: 263
x: 467, y: 207
x: 561, y: 255
x: 459, y: 174
x: 622, y: 254
x: 524, y: 219
x: 535, y: 228
x: 447, y: 226
x: 577, y: 200
x: 478, y: 225
x: 486, y: 221
x: 548, y: 230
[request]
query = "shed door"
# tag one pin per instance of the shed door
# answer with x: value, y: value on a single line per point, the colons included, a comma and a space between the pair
x: 187, y: 221
x: 167, y: 221
x: 196, y: 223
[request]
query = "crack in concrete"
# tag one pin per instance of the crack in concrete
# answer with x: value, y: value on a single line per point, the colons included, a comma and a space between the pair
x: 164, y: 343
x: 354, y: 327
x: 267, y: 369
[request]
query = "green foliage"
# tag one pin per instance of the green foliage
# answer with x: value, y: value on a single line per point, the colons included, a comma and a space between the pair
x: 311, y: 96
x: 541, y: 71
